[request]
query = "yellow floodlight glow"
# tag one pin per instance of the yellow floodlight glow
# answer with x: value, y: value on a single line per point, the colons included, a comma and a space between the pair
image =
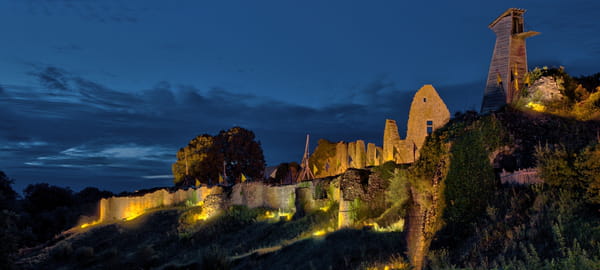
x: 319, y: 233
x: 132, y: 214
x: 200, y: 217
x: 288, y: 216
x: 85, y: 225
x: 269, y: 214
x: 536, y: 106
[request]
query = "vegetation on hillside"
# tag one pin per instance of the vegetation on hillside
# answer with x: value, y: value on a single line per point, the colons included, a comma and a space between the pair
x: 577, y: 97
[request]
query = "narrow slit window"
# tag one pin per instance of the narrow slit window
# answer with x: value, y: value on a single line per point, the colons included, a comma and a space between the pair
x: 424, y: 99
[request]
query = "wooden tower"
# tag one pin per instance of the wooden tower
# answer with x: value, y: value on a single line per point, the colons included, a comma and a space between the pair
x: 509, y: 61
x: 305, y: 172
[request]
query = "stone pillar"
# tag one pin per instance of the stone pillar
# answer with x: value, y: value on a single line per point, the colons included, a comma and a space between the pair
x: 304, y: 202
x: 341, y: 158
x: 371, y: 154
x: 344, y: 217
x: 378, y: 156
x: 352, y: 155
x: 361, y: 155
x: 390, y: 139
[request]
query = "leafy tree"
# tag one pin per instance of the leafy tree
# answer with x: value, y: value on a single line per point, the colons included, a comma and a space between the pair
x: 588, y: 166
x: 556, y: 167
x: 8, y: 229
x: 200, y: 160
x: 242, y: 153
x: 318, y: 159
x: 397, y: 193
x: 43, y: 197
x: 203, y: 158
x: 7, y: 194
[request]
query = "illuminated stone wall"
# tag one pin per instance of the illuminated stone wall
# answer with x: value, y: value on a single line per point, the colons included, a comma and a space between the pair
x: 257, y: 194
x: 119, y: 208
x: 250, y: 194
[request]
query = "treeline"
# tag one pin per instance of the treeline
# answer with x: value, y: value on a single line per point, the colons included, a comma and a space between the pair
x: 40, y: 215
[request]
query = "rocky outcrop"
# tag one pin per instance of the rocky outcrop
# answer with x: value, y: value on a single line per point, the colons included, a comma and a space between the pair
x: 545, y: 89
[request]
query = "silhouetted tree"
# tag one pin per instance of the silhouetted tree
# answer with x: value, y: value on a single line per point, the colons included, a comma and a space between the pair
x: 287, y: 172
x: 9, y: 234
x: 7, y: 194
x: 242, y: 153
x: 43, y: 197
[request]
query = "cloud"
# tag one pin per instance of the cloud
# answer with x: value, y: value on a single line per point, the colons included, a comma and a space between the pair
x: 72, y: 125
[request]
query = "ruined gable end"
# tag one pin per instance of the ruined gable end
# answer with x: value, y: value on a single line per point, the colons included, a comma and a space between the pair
x: 428, y: 112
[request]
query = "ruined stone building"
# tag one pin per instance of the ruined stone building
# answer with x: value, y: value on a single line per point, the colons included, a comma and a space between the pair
x: 509, y: 60
x: 427, y: 113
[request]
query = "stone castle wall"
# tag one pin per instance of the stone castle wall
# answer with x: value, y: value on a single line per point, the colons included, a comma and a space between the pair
x: 250, y: 194
x: 351, y: 155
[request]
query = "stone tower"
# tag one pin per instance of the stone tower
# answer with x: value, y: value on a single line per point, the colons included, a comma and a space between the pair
x: 509, y: 61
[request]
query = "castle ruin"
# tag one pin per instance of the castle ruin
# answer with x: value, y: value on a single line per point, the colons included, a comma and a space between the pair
x: 427, y: 113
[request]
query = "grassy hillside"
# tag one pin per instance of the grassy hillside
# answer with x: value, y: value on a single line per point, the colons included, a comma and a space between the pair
x: 240, y: 238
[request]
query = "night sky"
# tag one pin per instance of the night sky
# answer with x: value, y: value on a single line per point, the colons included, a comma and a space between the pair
x: 103, y: 92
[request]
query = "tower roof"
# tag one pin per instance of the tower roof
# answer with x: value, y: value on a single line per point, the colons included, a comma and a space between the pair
x: 508, y: 12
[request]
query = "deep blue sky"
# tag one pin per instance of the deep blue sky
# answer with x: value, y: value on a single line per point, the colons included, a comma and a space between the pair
x: 103, y: 92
